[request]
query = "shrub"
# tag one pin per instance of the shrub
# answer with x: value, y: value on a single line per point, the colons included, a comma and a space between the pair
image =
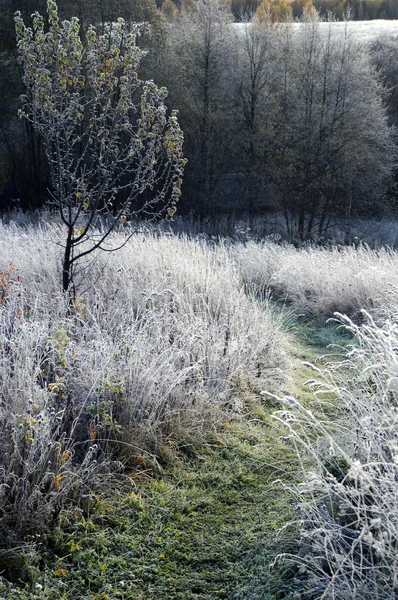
x: 111, y: 148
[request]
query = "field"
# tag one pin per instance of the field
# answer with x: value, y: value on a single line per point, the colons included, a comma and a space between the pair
x: 364, y: 31
x: 189, y: 426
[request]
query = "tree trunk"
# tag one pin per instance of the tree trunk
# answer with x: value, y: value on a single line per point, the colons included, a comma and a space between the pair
x: 67, y: 263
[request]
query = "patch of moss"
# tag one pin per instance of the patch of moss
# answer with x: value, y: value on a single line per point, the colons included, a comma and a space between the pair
x: 185, y: 534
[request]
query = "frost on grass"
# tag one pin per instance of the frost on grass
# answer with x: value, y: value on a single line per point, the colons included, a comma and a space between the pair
x: 365, y: 31
x: 347, y: 504
x: 316, y: 281
x: 162, y: 338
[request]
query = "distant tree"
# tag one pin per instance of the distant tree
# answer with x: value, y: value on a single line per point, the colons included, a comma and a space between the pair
x: 275, y: 10
x: 111, y: 149
x: 360, y: 9
x: 335, y: 151
x: 187, y: 4
x: 197, y: 50
x: 170, y: 10
x: 251, y: 69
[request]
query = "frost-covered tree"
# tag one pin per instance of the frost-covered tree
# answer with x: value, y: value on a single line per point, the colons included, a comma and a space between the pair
x: 384, y: 56
x: 252, y: 74
x: 112, y: 150
x: 197, y: 50
x: 335, y: 153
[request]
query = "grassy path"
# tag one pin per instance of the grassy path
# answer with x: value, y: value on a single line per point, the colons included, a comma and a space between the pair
x: 198, y: 529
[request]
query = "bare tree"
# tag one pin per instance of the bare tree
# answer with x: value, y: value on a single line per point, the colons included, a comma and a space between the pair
x: 338, y: 148
x: 112, y: 150
x: 251, y: 69
x: 198, y: 44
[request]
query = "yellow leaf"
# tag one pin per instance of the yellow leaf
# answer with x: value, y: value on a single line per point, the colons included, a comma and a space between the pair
x: 61, y: 572
x: 58, y: 481
x: 73, y: 546
x: 65, y: 457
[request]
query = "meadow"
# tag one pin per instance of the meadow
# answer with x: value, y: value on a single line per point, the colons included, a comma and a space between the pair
x: 158, y: 431
x: 365, y: 31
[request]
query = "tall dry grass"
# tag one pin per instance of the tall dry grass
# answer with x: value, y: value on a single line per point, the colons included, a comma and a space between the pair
x: 161, y: 338
x: 315, y: 281
x: 347, y: 502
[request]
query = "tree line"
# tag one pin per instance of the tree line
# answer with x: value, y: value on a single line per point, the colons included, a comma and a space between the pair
x: 292, y: 117
x: 360, y: 9
x: 297, y: 118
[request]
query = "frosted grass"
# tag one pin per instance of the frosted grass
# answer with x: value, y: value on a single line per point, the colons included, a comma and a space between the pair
x: 315, y: 281
x: 161, y: 339
x: 347, y: 508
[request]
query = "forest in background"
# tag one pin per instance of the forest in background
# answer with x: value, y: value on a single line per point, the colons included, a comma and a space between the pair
x: 360, y: 9
x: 276, y: 117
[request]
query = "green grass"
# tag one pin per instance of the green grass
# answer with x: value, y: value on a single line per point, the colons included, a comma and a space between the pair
x: 319, y: 338
x: 201, y: 527
x: 182, y: 534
